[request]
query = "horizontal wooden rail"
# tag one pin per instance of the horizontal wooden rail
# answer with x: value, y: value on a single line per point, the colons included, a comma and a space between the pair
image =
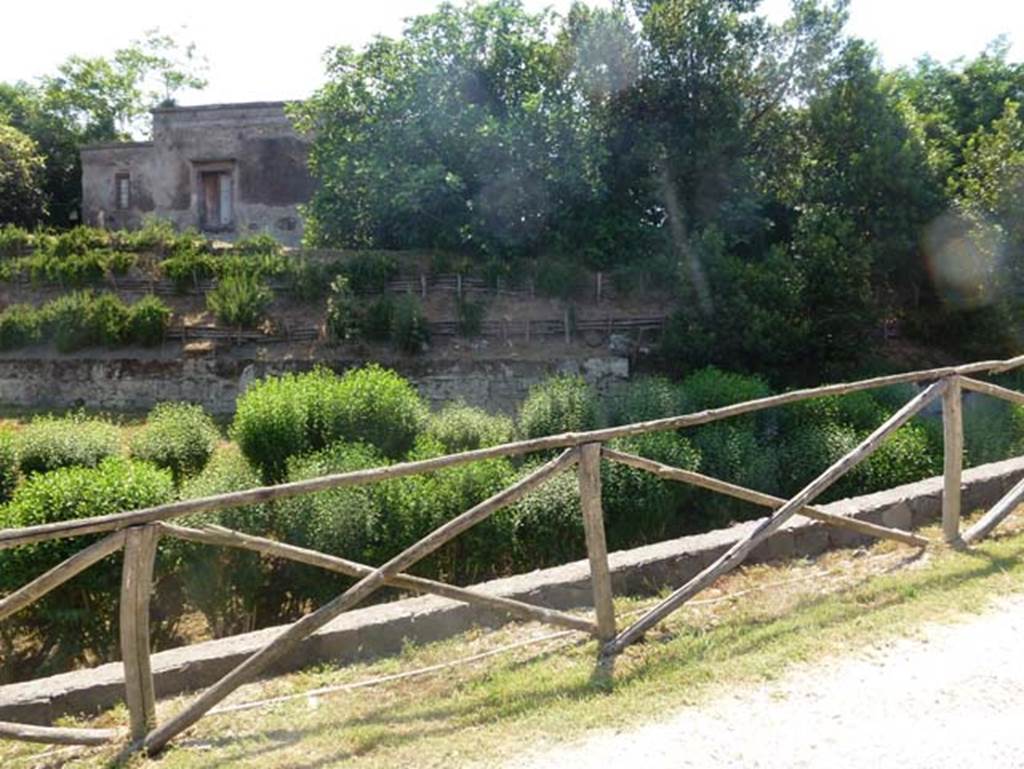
x: 738, y: 552
x: 77, y: 527
x: 60, y: 574
x: 366, y: 586
x: 758, y: 498
x: 54, y: 735
x: 215, y: 535
x: 992, y: 389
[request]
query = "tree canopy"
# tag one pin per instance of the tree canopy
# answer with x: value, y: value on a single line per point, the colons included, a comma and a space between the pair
x: 95, y: 99
x: 791, y: 190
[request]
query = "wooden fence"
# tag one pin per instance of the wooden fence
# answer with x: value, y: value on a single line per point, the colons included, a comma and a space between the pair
x: 507, y: 329
x: 138, y: 532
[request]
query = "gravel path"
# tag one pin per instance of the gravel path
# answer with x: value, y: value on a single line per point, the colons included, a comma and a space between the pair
x: 952, y: 698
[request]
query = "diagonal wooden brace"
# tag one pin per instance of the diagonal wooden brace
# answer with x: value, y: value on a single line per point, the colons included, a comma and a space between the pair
x: 309, y: 624
x: 759, y: 498
x: 215, y: 535
x: 738, y: 552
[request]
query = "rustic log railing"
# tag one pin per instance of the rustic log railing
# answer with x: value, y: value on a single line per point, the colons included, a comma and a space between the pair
x: 138, y: 533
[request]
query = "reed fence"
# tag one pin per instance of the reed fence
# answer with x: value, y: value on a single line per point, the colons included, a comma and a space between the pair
x: 137, y: 533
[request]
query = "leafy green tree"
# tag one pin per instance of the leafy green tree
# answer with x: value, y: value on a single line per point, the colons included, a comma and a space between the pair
x: 22, y: 201
x: 461, y: 134
x: 95, y: 99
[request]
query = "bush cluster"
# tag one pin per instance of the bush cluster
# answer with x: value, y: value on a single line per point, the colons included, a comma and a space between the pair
x: 80, y: 615
x: 179, y: 437
x: 281, y: 417
x: 48, y: 443
x: 240, y: 299
x: 83, y: 319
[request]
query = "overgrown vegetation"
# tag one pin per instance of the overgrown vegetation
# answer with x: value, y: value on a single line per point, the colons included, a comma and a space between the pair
x: 84, y: 319
x: 299, y: 426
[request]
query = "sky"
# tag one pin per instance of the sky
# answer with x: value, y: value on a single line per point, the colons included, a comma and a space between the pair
x: 262, y: 52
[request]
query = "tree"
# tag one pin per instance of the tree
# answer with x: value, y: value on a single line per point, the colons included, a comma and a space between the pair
x: 864, y: 160
x: 97, y: 99
x: 21, y: 171
x: 462, y: 134
x: 110, y: 98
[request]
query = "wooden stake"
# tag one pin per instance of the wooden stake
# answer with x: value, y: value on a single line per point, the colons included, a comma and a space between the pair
x: 215, y: 535
x: 738, y: 552
x: 59, y: 574
x: 995, y: 516
x: 589, y: 470
x: 953, y: 458
x: 765, y: 500
x: 136, y: 586
x: 158, y: 738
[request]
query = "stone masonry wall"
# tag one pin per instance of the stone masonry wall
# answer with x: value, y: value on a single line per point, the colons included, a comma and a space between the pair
x: 137, y: 384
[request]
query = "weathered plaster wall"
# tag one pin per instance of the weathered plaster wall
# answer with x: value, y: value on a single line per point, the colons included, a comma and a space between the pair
x: 256, y: 142
x: 130, y: 384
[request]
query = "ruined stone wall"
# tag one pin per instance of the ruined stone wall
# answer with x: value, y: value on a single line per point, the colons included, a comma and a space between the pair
x: 115, y: 383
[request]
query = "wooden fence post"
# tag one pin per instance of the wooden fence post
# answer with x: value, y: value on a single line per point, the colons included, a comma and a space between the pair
x: 597, y: 549
x: 136, y: 585
x: 953, y: 456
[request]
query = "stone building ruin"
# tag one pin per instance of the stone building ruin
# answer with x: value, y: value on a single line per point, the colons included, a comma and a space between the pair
x: 228, y: 170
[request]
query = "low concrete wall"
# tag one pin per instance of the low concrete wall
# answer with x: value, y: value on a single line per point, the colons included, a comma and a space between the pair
x: 383, y: 629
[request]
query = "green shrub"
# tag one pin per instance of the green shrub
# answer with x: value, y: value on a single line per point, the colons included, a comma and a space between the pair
x: 347, y: 522
x: 641, y: 508
x: 109, y: 318
x: 644, y: 398
x: 81, y: 240
x: 280, y: 417
x: 409, y: 329
x: 368, y: 272
x: 342, y: 319
x: 179, y: 437
x: 904, y: 458
x: 262, y: 244
x: 68, y: 270
x: 9, y: 472
x: 240, y: 299
x: 730, y: 450
x: 48, y: 443
x: 80, y: 616
x: 21, y: 325
x: 808, y: 450
x: 712, y: 388
x: 148, y: 321
x: 459, y: 427
x: 547, y: 524
x: 83, y: 319
x: 155, y: 235
x: 559, y: 404
x: 14, y: 240
x: 378, y: 319
x: 235, y: 590
x: 188, y: 265
x: 993, y: 429
x: 309, y: 280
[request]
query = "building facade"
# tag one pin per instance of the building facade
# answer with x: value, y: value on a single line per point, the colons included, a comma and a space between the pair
x: 228, y: 170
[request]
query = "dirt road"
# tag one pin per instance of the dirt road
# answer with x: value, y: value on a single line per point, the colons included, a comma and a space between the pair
x: 954, y: 697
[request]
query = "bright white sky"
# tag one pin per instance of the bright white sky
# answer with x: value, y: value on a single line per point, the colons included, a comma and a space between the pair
x: 258, y: 51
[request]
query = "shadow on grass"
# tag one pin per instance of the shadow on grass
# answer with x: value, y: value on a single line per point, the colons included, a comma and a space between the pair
x: 519, y: 688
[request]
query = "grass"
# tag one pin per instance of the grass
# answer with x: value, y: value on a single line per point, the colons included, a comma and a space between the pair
x: 749, y: 628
